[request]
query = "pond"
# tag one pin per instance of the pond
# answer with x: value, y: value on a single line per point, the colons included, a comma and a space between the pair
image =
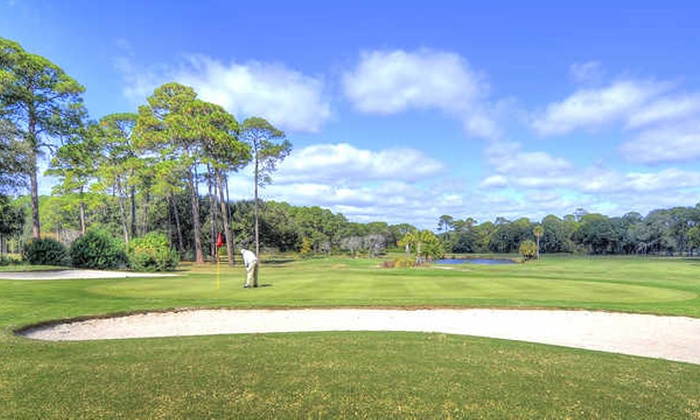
x: 487, y: 261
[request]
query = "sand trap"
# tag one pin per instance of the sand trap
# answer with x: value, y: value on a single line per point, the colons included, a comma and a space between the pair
x: 664, y: 337
x: 74, y: 274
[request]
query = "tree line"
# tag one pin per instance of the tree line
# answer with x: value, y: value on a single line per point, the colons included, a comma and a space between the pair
x: 674, y: 231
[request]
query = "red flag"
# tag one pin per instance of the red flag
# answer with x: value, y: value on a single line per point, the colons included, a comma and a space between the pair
x: 219, y: 240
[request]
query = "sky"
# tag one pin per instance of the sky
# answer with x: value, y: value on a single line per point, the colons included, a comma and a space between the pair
x: 405, y: 111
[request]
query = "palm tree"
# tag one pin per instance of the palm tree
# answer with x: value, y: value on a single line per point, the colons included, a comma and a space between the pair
x: 538, y: 231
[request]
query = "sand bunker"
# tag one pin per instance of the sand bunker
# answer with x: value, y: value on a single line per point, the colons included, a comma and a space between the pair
x: 75, y: 274
x: 664, y: 337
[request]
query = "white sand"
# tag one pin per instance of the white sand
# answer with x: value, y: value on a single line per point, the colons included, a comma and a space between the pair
x: 75, y: 274
x: 664, y: 337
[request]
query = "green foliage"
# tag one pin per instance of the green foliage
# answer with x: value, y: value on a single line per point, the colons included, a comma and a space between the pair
x: 694, y: 236
x: 12, y: 158
x: 425, y: 244
x: 46, y: 251
x: 305, y: 250
x: 11, y: 217
x: 8, y: 260
x: 98, y: 249
x: 152, y: 253
x: 528, y: 249
x: 42, y: 102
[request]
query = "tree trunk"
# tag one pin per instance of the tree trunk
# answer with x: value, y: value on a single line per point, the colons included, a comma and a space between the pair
x: 34, y: 183
x: 132, y: 195
x: 146, y: 205
x: 176, y: 215
x: 225, y: 219
x: 199, y: 254
x: 229, y: 228
x: 255, y: 206
x: 83, y: 228
x: 212, y: 217
x: 122, y: 211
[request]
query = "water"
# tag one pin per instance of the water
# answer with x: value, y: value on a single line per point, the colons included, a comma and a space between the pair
x: 487, y: 261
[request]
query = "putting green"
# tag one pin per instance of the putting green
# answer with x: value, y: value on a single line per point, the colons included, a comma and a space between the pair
x: 392, y: 290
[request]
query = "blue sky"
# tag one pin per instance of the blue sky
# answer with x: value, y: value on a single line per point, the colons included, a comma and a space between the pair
x: 405, y: 111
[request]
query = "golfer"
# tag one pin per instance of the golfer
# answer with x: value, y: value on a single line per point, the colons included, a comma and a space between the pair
x: 251, y: 268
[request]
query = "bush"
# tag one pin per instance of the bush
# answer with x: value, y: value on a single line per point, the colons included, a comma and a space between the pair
x: 528, y: 249
x: 45, y: 251
x: 98, y: 249
x: 9, y: 260
x: 400, y: 262
x: 152, y: 253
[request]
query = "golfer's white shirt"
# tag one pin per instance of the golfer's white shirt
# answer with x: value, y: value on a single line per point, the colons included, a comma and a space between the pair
x: 248, y: 257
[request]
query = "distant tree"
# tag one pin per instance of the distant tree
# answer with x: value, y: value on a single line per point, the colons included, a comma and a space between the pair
x: 598, y: 234
x: 425, y: 244
x: 119, y: 163
x: 557, y: 234
x: 75, y: 164
x: 446, y: 223
x: 223, y: 153
x: 538, y: 231
x: 42, y: 103
x: 12, y: 159
x: 528, y: 249
x: 166, y: 127
x: 269, y: 147
x: 187, y: 133
x: 11, y: 221
x: 694, y: 237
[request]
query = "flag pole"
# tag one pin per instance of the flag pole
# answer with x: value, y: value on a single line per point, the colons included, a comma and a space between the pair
x: 219, y: 243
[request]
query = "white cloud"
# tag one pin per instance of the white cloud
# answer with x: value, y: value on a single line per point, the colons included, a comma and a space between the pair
x: 392, y: 185
x: 665, y: 110
x: 588, y: 72
x: 387, y: 82
x: 515, y: 167
x: 495, y: 181
x: 287, y: 98
x: 658, y: 120
x: 346, y: 163
x: 596, y: 108
x: 511, y: 167
x: 525, y: 163
x: 669, y: 143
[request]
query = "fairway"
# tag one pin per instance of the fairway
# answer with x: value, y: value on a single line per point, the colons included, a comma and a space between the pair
x: 352, y: 373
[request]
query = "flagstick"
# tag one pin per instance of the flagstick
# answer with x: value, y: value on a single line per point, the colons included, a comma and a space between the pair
x: 218, y: 269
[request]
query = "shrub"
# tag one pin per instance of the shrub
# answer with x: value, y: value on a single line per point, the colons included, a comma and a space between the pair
x: 10, y: 260
x: 400, y: 262
x: 528, y: 249
x: 98, y: 249
x: 152, y: 253
x: 46, y: 251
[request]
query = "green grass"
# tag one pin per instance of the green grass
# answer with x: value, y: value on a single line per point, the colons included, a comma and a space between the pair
x: 343, y: 374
